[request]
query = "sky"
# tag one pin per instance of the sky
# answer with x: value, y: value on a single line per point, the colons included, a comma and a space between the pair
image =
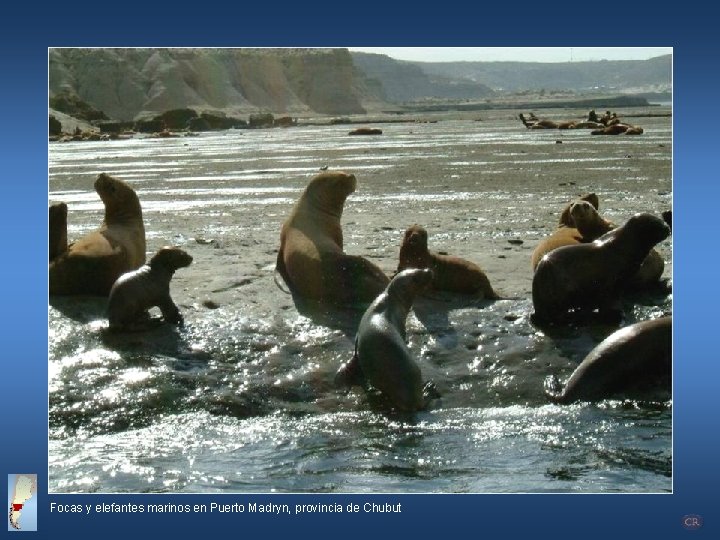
x: 521, y: 54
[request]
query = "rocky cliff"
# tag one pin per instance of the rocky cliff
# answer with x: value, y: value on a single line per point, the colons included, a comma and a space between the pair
x: 128, y: 84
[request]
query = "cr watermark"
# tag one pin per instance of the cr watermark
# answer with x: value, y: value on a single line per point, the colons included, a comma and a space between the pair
x: 692, y: 522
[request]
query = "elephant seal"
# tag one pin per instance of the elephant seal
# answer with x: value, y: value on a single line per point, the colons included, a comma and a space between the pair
x: 93, y: 263
x: 635, y: 357
x: 382, y: 357
x: 311, y: 258
x: 592, y: 275
x: 137, y: 291
x: 451, y: 274
x: 57, y: 225
x: 579, y: 223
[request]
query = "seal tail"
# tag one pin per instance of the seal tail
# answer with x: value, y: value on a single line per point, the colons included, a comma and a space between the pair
x: 280, y: 269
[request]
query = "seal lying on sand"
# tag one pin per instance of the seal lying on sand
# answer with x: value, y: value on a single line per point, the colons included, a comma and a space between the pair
x: 137, y: 291
x: 381, y: 356
x: 589, y: 276
x: 449, y: 273
x: 637, y: 356
x: 579, y: 223
x: 57, y: 224
x: 92, y: 264
x: 311, y: 258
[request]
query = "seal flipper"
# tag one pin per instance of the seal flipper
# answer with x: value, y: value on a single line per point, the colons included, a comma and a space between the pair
x: 553, y: 389
x: 350, y: 373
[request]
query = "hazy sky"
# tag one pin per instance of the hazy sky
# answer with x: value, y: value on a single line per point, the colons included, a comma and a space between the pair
x: 523, y: 54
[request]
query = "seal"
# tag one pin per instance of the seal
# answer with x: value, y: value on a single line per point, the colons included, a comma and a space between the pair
x: 93, y: 263
x: 636, y: 357
x: 311, y: 258
x: 579, y: 223
x: 137, y: 291
x: 451, y: 274
x: 382, y: 357
x: 57, y: 225
x: 592, y: 275
x: 565, y: 218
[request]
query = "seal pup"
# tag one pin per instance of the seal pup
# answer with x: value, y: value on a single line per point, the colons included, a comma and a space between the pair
x: 137, y: 291
x: 93, y: 263
x: 382, y: 357
x: 451, y: 274
x: 639, y: 355
x: 592, y: 275
x: 311, y: 259
x: 57, y: 229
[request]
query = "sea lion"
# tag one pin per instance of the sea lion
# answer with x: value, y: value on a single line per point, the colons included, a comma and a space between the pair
x: 636, y: 357
x: 366, y: 131
x: 451, y: 274
x: 137, y: 291
x: 592, y: 275
x: 565, y: 219
x: 579, y: 223
x: 382, y: 357
x: 57, y: 225
x: 93, y: 263
x: 311, y: 258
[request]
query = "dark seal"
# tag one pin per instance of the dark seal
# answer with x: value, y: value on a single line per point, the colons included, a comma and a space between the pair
x: 593, y: 275
x: 148, y: 286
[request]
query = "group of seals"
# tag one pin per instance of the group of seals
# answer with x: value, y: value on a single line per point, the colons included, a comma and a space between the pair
x: 135, y: 292
x: 636, y: 357
x: 311, y: 259
x: 382, y: 357
x: 580, y: 223
x: 608, y: 124
x: 93, y: 263
x: 572, y: 273
x: 109, y: 261
x: 592, y: 275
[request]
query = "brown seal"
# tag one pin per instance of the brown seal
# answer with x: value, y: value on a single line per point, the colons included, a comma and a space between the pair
x: 637, y: 357
x: 382, y: 357
x: 93, y: 263
x: 311, y: 258
x: 57, y: 225
x: 592, y: 275
x: 137, y: 291
x: 451, y: 274
x: 579, y: 223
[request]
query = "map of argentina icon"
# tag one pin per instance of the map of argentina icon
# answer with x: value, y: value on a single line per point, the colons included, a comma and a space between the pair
x: 22, y: 502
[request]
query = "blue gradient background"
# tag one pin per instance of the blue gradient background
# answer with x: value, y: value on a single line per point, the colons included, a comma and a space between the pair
x: 23, y: 145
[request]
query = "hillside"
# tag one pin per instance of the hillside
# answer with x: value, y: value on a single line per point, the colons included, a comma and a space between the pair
x: 407, y: 81
x: 127, y: 84
x: 654, y: 74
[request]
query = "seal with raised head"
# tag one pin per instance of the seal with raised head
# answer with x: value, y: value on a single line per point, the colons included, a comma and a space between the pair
x: 93, y: 263
x: 637, y: 357
x: 382, y: 357
x: 579, y: 223
x: 149, y: 286
x: 57, y: 225
x: 451, y: 274
x: 592, y: 275
x: 311, y: 259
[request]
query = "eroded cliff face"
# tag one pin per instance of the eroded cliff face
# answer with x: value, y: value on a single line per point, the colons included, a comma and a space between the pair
x: 133, y: 83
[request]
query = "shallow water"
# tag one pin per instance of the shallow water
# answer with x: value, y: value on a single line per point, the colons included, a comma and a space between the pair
x: 241, y: 398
